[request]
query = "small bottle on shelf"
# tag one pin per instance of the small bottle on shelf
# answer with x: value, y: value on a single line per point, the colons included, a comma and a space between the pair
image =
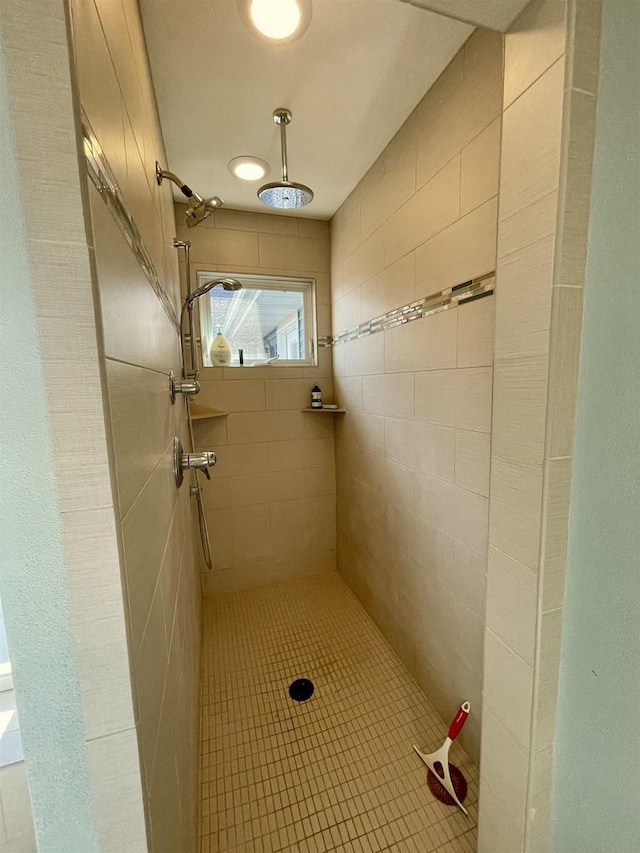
x: 316, y: 397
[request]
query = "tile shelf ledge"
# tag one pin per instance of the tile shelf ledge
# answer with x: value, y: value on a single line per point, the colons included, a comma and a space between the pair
x: 200, y: 412
x: 323, y: 409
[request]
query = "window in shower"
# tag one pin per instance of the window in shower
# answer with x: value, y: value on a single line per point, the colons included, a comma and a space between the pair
x: 271, y: 319
x: 10, y: 741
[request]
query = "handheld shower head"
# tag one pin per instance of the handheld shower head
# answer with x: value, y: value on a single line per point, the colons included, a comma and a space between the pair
x: 225, y: 283
x: 187, y: 308
x: 198, y: 208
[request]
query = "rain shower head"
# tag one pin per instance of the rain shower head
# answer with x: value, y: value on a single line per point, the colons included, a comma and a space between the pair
x: 284, y: 194
x: 198, y: 208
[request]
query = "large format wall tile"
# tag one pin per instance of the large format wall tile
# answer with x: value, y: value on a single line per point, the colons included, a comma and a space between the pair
x: 60, y: 243
x: 468, y: 244
x: 531, y: 135
x: 472, y: 460
x: 136, y: 328
x: 292, y: 253
x: 142, y: 425
x: 534, y: 44
x: 391, y: 288
x: 364, y: 263
x: 480, y: 168
x: 270, y: 504
x: 426, y: 213
x: 512, y: 603
x: 542, y: 242
x: 519, y: 409
x: 116, y: 788
x: 141, y: 347
x: 508, y: 688
x: 455, y: 398
x: 516, y: 498
x: 475, y: 333
x: 523, y: 312
x: 412, y: 452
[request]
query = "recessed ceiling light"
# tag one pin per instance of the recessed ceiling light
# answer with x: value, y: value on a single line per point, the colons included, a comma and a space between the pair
x: 281, y: 21
x: 248, y: 168
x: 276, y: 19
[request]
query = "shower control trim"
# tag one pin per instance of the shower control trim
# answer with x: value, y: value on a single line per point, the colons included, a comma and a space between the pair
x: 185, y: 386
x: 190, y: 461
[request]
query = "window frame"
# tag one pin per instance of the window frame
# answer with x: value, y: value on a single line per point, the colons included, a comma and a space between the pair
x: 266, y: 281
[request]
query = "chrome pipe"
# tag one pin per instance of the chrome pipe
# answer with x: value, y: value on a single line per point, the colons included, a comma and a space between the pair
x: 284, y: 117
x: 192, y: 337
x: 185, y: 245
x: 196, y: 491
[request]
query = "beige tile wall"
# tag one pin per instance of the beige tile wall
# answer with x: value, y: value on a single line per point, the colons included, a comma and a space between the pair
x: 37, y: 57
x: 16, y: 824
x: 413, y: 450
x: 270, y: 503
x: 141, y: 346
x: 551, y: 58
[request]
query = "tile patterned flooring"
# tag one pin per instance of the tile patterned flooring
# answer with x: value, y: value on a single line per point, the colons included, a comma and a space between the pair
x: 337, y: 772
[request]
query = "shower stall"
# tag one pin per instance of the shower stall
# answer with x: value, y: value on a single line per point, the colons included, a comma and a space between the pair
x: 263, y: 608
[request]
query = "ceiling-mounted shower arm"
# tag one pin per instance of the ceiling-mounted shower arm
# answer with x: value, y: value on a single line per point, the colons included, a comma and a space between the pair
x: 282, y: 117
x: 284, y: 194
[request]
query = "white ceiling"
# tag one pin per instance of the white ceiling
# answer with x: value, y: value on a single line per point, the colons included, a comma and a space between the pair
x: 351, y: 80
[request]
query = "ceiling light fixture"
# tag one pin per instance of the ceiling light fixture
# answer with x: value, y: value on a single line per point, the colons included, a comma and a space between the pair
x: 248, y: 168
x: 276, y: 19
x: 280, y: 21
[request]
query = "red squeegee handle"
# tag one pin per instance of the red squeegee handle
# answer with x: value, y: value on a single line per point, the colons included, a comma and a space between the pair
x: 459, y: 720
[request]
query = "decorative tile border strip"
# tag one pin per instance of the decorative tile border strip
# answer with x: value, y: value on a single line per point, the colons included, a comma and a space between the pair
x: 104, y: 181
x: 468, y: 291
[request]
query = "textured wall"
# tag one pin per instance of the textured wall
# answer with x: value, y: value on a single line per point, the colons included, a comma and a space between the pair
x: 61, y: 583
x: 413, y: 451
x: 271, y: 500
x: 551, y: 70
x: 140, y: 348
x: 33, y: 570
x: 597, y: 777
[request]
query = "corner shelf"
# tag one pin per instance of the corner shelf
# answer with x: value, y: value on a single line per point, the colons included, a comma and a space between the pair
x: 199, y: 412
x: 326, y: 411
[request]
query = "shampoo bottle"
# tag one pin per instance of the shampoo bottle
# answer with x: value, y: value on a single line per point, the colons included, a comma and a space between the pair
x: 219, y: 352
x: 316, y: 397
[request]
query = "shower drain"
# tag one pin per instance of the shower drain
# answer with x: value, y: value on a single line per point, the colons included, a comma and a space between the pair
x: 301, y: 689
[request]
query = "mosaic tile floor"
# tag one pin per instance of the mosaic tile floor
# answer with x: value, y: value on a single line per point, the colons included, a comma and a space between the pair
x: 336, y: 772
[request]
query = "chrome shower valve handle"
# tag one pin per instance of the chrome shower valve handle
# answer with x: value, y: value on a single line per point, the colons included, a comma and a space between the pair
x: 187, y: 386
x: 190, y: 461
x: 198, y: 461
